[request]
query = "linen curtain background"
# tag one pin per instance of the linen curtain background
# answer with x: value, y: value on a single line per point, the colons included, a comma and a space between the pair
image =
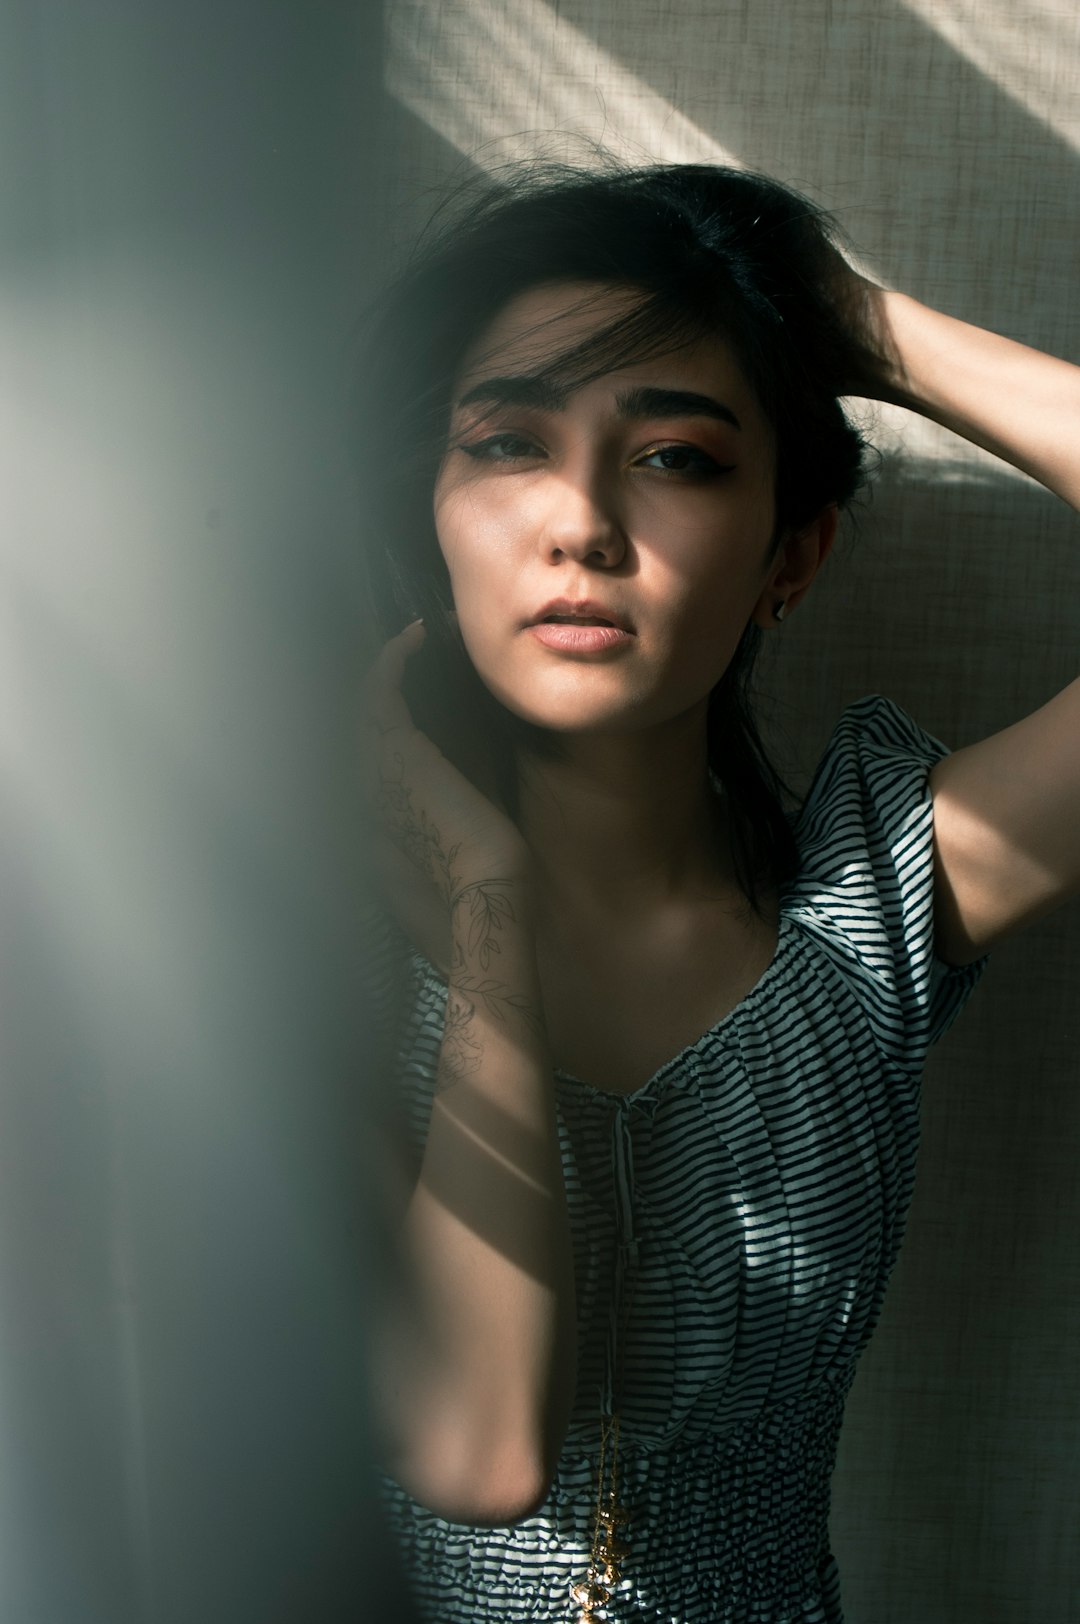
x: 945, y: 135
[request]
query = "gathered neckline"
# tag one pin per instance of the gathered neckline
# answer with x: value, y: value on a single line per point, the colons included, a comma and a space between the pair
x: 785, y: 923
x: 715, y: 1030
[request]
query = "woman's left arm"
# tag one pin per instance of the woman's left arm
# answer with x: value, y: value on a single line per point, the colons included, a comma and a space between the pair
x: 1006, y: 810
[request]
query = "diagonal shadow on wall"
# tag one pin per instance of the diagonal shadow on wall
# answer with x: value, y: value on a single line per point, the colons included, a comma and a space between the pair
x: 942, y: 177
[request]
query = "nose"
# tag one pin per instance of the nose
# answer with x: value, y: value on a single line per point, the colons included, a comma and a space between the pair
x: 582, y: 522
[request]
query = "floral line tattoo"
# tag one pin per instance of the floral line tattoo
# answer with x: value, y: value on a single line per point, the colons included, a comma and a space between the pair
x: 462, y: 1052
x: 462, y: 1049
x: 480, y: 911
x: 414, y: 831
x: 487, y: 909
x: 500, y: 1003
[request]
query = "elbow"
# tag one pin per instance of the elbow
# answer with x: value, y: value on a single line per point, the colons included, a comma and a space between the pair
x: 493, y: 1491
x: 486, y: 1463
x: 498, y: 1504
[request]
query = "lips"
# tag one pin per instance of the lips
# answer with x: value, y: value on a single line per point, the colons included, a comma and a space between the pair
x: 580, y: 612
x: 580, y: 627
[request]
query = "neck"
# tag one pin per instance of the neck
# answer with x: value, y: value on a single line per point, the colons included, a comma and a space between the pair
x: 624, y: 816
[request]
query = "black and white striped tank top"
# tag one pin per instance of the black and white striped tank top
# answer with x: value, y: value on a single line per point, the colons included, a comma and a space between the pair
x: 747, y: 1205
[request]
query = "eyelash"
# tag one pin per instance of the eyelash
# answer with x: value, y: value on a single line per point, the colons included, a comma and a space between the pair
x: 706, y: 467
x: 481, y: 449
x: 702, y: 465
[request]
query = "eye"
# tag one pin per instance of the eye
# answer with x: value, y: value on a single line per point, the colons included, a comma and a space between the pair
x: 683, y: 459
x: 502, y: 448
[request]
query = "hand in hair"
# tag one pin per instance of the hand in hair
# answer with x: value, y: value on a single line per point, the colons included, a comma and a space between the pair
x: 872, y: 362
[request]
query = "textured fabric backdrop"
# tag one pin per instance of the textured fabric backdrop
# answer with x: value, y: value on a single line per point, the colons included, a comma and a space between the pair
x: 946, y: 136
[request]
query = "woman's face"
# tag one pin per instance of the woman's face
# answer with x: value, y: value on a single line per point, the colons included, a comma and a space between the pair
x: 606, y: 546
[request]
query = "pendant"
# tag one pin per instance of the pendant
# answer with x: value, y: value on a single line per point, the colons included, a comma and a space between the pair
x: 591, y: 1593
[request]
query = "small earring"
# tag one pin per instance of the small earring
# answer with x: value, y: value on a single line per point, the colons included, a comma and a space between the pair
x: 780, y: 611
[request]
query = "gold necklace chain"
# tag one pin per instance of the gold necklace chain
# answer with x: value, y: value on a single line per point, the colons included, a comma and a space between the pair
x: 593, y: 1591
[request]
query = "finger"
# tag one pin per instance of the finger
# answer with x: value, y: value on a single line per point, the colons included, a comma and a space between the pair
x: 388, y: 668
x: 381, y: 691
x: 396, y: 651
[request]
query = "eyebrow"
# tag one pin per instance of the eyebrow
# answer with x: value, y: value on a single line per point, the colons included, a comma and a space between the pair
x: 642, y: 402
x: 672, y: 403
x: 519, y: 391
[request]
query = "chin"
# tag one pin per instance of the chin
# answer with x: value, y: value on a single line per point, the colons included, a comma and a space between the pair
x: 585, y: 700
x: 568, y: 718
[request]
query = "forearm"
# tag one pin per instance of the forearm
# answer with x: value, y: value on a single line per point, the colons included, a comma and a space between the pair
x: 1014, y: 401
x: 477, y: 1359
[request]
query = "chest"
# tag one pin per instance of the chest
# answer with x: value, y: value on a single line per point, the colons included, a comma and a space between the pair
x: 737, y: 1222
x: 623, y: 999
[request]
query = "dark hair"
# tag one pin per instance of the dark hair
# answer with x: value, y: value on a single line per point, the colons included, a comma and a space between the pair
x: 712, y: 250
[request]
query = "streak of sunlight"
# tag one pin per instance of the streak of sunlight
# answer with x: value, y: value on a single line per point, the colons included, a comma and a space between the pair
x: 500, y: 81
x: 1029, y: 51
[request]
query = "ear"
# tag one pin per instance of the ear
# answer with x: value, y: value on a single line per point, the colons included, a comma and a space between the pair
x: 797, y: 560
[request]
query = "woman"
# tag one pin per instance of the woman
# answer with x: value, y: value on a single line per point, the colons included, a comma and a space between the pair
x: 658, y: 1039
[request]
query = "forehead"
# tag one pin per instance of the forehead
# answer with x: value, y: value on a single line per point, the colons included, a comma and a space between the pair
x: 538, y: 326
x: 547, y: 320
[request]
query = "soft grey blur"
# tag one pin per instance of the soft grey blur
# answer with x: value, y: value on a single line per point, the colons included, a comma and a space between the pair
x: 946, y: 136
x: 186, y: 241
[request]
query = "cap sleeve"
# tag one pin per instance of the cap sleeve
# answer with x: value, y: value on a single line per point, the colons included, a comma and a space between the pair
x: 865, y: 881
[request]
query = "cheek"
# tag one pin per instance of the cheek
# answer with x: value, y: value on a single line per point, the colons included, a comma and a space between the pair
x: 709, y: 636
x: 712, y: 594
x: 466, y: 528
x: 714, y: 580
x: 456, y: 537
x: 480, y: 540
x: 475, y: 583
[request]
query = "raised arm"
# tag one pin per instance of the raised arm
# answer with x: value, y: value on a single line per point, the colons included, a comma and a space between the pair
x: 1006, y: 810
x: 474, y: 1346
